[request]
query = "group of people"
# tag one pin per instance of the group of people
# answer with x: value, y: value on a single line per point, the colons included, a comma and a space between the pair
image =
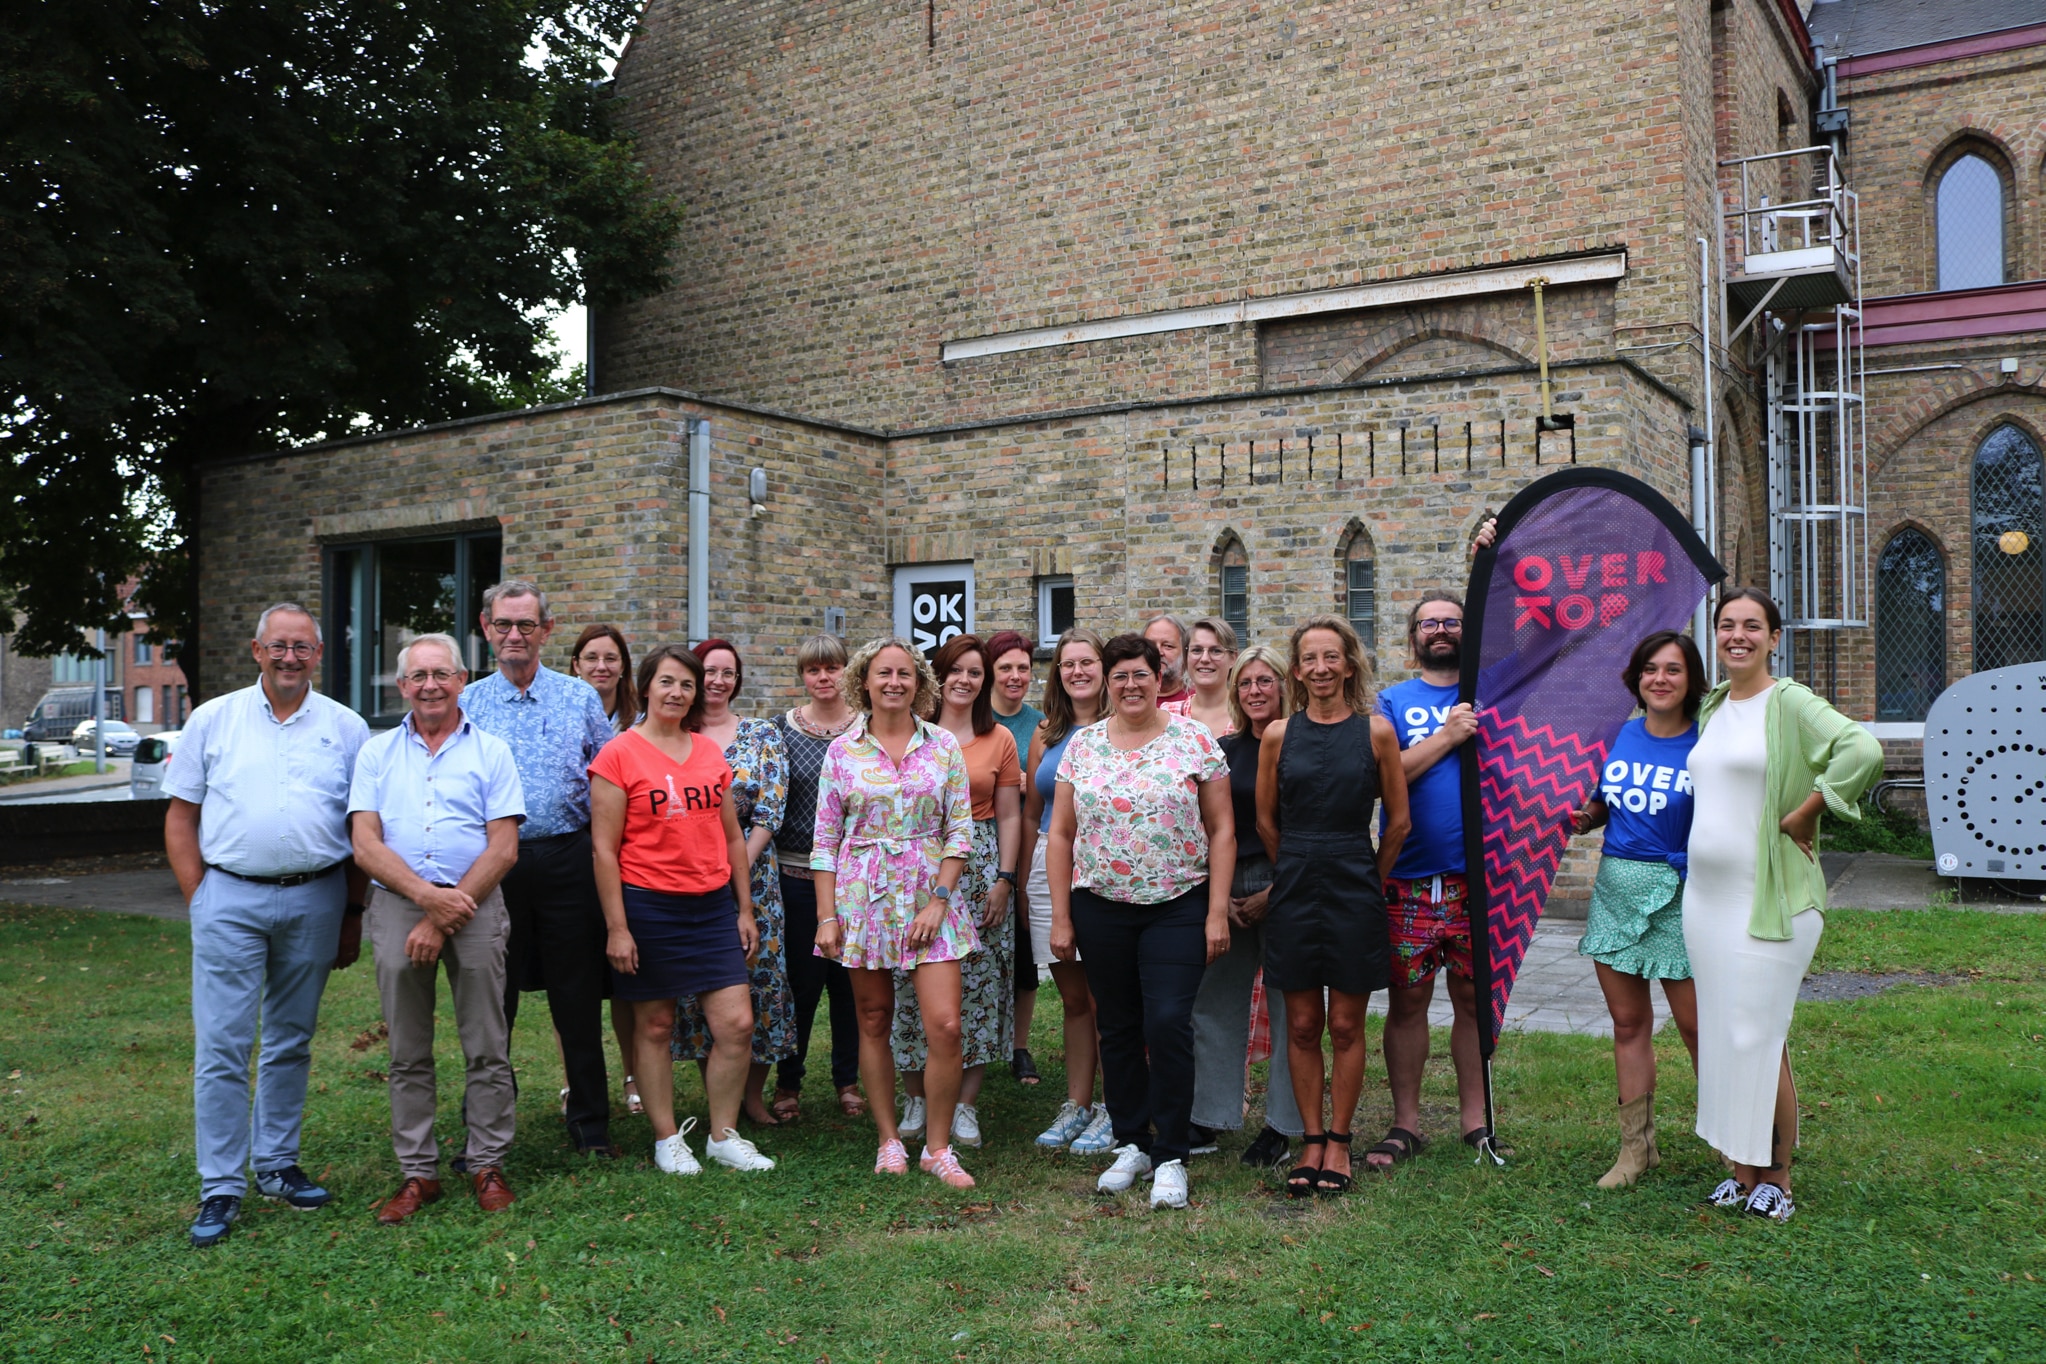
x: 1184, y: 836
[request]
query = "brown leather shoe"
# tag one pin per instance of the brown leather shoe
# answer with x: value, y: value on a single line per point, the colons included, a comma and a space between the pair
x: 412, y: 1195
x: 493, y: 1194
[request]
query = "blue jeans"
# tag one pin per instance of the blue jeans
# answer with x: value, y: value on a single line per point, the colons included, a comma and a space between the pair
x: 258, y: 953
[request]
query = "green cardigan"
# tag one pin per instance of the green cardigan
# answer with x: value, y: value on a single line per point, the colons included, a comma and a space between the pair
x: 1811, y: 747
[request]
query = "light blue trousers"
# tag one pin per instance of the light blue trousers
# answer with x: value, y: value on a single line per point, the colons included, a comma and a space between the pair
x: 260, y: 958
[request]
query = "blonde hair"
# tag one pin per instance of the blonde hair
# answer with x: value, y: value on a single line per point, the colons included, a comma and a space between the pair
x: 1222, y: 630
x: 819, y: 651
x: 1059, y: 719
x: 1356, y: 691
x: 853, y: 686
x: 1267, y: 655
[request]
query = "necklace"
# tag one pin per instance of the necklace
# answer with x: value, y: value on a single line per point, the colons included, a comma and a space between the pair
x: 817, y: 731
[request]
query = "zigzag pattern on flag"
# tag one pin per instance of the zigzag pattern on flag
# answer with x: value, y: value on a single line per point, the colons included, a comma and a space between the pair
x: 1530, y: 780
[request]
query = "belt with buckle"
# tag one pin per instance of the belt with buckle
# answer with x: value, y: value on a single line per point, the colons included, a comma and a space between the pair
x: 295, y: 879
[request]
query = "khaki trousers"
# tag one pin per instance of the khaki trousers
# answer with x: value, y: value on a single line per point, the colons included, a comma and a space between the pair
x: 474, y: 958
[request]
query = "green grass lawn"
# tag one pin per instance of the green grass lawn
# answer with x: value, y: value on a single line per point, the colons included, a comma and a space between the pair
x: 1921, y: 1231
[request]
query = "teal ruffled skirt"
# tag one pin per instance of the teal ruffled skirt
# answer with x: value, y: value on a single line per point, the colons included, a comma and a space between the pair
x: 1636, y: 925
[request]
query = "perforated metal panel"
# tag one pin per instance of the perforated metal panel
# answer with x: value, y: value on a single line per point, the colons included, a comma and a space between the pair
x: 1985, y: 774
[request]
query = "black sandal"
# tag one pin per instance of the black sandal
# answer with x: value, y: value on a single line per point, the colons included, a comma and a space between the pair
x: 1300, y: 1180
x: 1478, y: 1136
x: 1401, y: 1144
x: 1023, y: 1067
x: 1329, y: 1182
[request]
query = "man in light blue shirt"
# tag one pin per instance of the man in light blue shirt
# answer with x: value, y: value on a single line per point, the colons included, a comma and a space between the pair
x: 435, y: 809
x: 257, y: 834
x: 554, y: 724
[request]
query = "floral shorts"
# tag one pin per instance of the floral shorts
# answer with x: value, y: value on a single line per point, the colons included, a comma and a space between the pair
x: 1428, y: 933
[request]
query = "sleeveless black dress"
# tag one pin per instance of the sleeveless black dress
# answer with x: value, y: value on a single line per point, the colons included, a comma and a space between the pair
x: 1327, y: 926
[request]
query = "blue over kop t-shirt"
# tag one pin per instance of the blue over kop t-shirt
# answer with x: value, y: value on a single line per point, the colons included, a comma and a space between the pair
x: 1646, y: 786
x: 1435, y: 798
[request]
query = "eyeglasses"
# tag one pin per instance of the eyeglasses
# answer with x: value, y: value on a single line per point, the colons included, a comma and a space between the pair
x: 1130, y: 677
x: 1207, y: 651
x: 1071, y: 665
x: 524, y: 627
x: 1260, y: 682
x: 1438, y: 627
x: 439, y: 677
x: 296, y: 649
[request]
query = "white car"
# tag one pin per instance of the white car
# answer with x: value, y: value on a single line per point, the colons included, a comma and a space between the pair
x: 122, y: 739
x: 152, y: 764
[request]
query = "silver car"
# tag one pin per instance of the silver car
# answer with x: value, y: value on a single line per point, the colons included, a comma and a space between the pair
x: 122, y: 740
x: 152, y: 764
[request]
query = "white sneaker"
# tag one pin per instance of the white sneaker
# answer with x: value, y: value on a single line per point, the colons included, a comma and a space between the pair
x: 1771, y: 1202
x: 1130, y: 1166
x: 672, y: 1154
x: 1099, y: 1135
x: 734, y: 1152
x: 966, y: 1125
x: 1168, y: 1185
x: 912, y: 1123
x: 1729, y: 1194
x: 1070, y: 1123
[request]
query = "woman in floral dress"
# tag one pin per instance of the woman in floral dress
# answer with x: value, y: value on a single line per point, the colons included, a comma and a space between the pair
x: 894, y: 832
x: 987, y: 978
x: 759, y: 764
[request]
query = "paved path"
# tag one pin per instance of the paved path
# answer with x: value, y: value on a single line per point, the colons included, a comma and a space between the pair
x: 116, y: 775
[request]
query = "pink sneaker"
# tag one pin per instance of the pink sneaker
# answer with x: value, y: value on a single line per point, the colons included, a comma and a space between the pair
x: 945, y: 1166
x: 893, y: 1159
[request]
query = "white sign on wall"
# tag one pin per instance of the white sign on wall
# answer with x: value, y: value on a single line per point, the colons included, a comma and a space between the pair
x: 933, y: 602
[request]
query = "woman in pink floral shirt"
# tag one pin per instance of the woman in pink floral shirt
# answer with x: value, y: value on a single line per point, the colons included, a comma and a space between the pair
x: 894, y: 831
x: 1142, y: 850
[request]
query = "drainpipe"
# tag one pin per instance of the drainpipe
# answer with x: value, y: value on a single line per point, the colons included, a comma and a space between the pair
x: 699, y: 531
x: 1701, y: 620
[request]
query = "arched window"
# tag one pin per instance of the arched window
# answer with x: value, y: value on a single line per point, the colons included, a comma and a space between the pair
x: 1357, y: 585
x: 1234, y: 583
x: 2010, y: 569
x: 1970, y: 225
x: 1911, y: 635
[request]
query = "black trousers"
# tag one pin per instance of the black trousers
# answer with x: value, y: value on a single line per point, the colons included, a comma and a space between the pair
x: 811, y: 977
x: 1026, y: 962
x: 557, y: 945
x: 1144, y: 964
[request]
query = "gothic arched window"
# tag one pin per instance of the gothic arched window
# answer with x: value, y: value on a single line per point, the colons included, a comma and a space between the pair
x: 1970, y: 225
x: 1910, y: 626
x: 2010, y: 569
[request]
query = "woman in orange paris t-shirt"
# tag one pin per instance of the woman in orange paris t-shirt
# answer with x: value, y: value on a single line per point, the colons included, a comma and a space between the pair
x: 672, y: 877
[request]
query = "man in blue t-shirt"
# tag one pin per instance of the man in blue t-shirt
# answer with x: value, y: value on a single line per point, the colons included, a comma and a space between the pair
x: 1426, y: 896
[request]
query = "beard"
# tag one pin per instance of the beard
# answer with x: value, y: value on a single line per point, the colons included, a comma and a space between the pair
x: 1444, y: 652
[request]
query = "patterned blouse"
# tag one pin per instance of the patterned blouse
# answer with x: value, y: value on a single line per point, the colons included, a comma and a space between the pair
x: 1139, y: 836
x: 805, y: 746
x: 760, y: 779
x: 883, y: 828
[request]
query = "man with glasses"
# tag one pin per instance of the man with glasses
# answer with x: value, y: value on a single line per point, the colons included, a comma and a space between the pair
x: 1426, y: 897
x: 257, y: 835
x: 554, y: 725
x: 435, y: 808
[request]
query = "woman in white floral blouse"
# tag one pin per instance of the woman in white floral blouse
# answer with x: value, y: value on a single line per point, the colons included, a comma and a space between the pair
x: 1143, y: 846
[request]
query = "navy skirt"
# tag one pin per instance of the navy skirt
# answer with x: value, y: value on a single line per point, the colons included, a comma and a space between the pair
x: 688, y: 944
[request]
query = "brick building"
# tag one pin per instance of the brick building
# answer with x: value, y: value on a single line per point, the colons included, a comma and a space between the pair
x: 1210, y: 307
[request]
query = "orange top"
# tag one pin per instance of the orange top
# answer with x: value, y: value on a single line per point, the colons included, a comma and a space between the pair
x: 674, y: 840
x: 991, y: 762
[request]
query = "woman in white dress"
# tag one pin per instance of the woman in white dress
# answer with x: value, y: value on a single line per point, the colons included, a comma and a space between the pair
x: 1771, y: 756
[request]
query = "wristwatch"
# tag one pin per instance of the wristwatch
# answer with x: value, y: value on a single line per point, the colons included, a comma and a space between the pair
x: 1008, y: 876
x: 942, y: 893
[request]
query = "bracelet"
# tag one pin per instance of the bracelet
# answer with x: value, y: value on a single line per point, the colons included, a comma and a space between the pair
x: 827, y: 919
x: 1008, y: 876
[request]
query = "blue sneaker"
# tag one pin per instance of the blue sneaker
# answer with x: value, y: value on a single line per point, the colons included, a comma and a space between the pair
x: 290, y: 1187
x: 216, y: 1220
x: 1099, y: 1136
x: 1070, y: 1123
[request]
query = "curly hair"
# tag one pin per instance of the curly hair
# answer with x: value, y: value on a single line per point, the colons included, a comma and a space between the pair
x: 1356, y: 691
x: 853, y: 686
x: 1256, y: 653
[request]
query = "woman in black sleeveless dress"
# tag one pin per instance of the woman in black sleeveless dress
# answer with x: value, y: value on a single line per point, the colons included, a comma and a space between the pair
x: 1320, y: 772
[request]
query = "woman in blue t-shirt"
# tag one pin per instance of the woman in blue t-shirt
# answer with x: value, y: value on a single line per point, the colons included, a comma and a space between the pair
x: 1636, y: 926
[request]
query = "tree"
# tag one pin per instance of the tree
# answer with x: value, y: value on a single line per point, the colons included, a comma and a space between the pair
x: 229, y: 226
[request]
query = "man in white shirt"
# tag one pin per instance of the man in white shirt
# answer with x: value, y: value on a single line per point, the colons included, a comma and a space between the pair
x: 435, y: 809
x: 257, y: 835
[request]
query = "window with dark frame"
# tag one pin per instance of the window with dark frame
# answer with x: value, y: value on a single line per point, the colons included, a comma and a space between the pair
x: 1236, y: 597
x: 1910, y: 626
x: 2008, y: 486
x: 1054, y: 607
x: 383, y: 594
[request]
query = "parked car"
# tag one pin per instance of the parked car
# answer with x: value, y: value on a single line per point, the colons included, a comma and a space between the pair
x: 58, y: 714
x: 152, y: 764
x: 122, y: 740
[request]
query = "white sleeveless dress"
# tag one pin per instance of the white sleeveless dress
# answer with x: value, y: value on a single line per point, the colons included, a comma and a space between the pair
x: 1747, y: 986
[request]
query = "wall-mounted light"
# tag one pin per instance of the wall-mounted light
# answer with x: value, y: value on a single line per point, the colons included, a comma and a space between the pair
x: 756, y: 490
